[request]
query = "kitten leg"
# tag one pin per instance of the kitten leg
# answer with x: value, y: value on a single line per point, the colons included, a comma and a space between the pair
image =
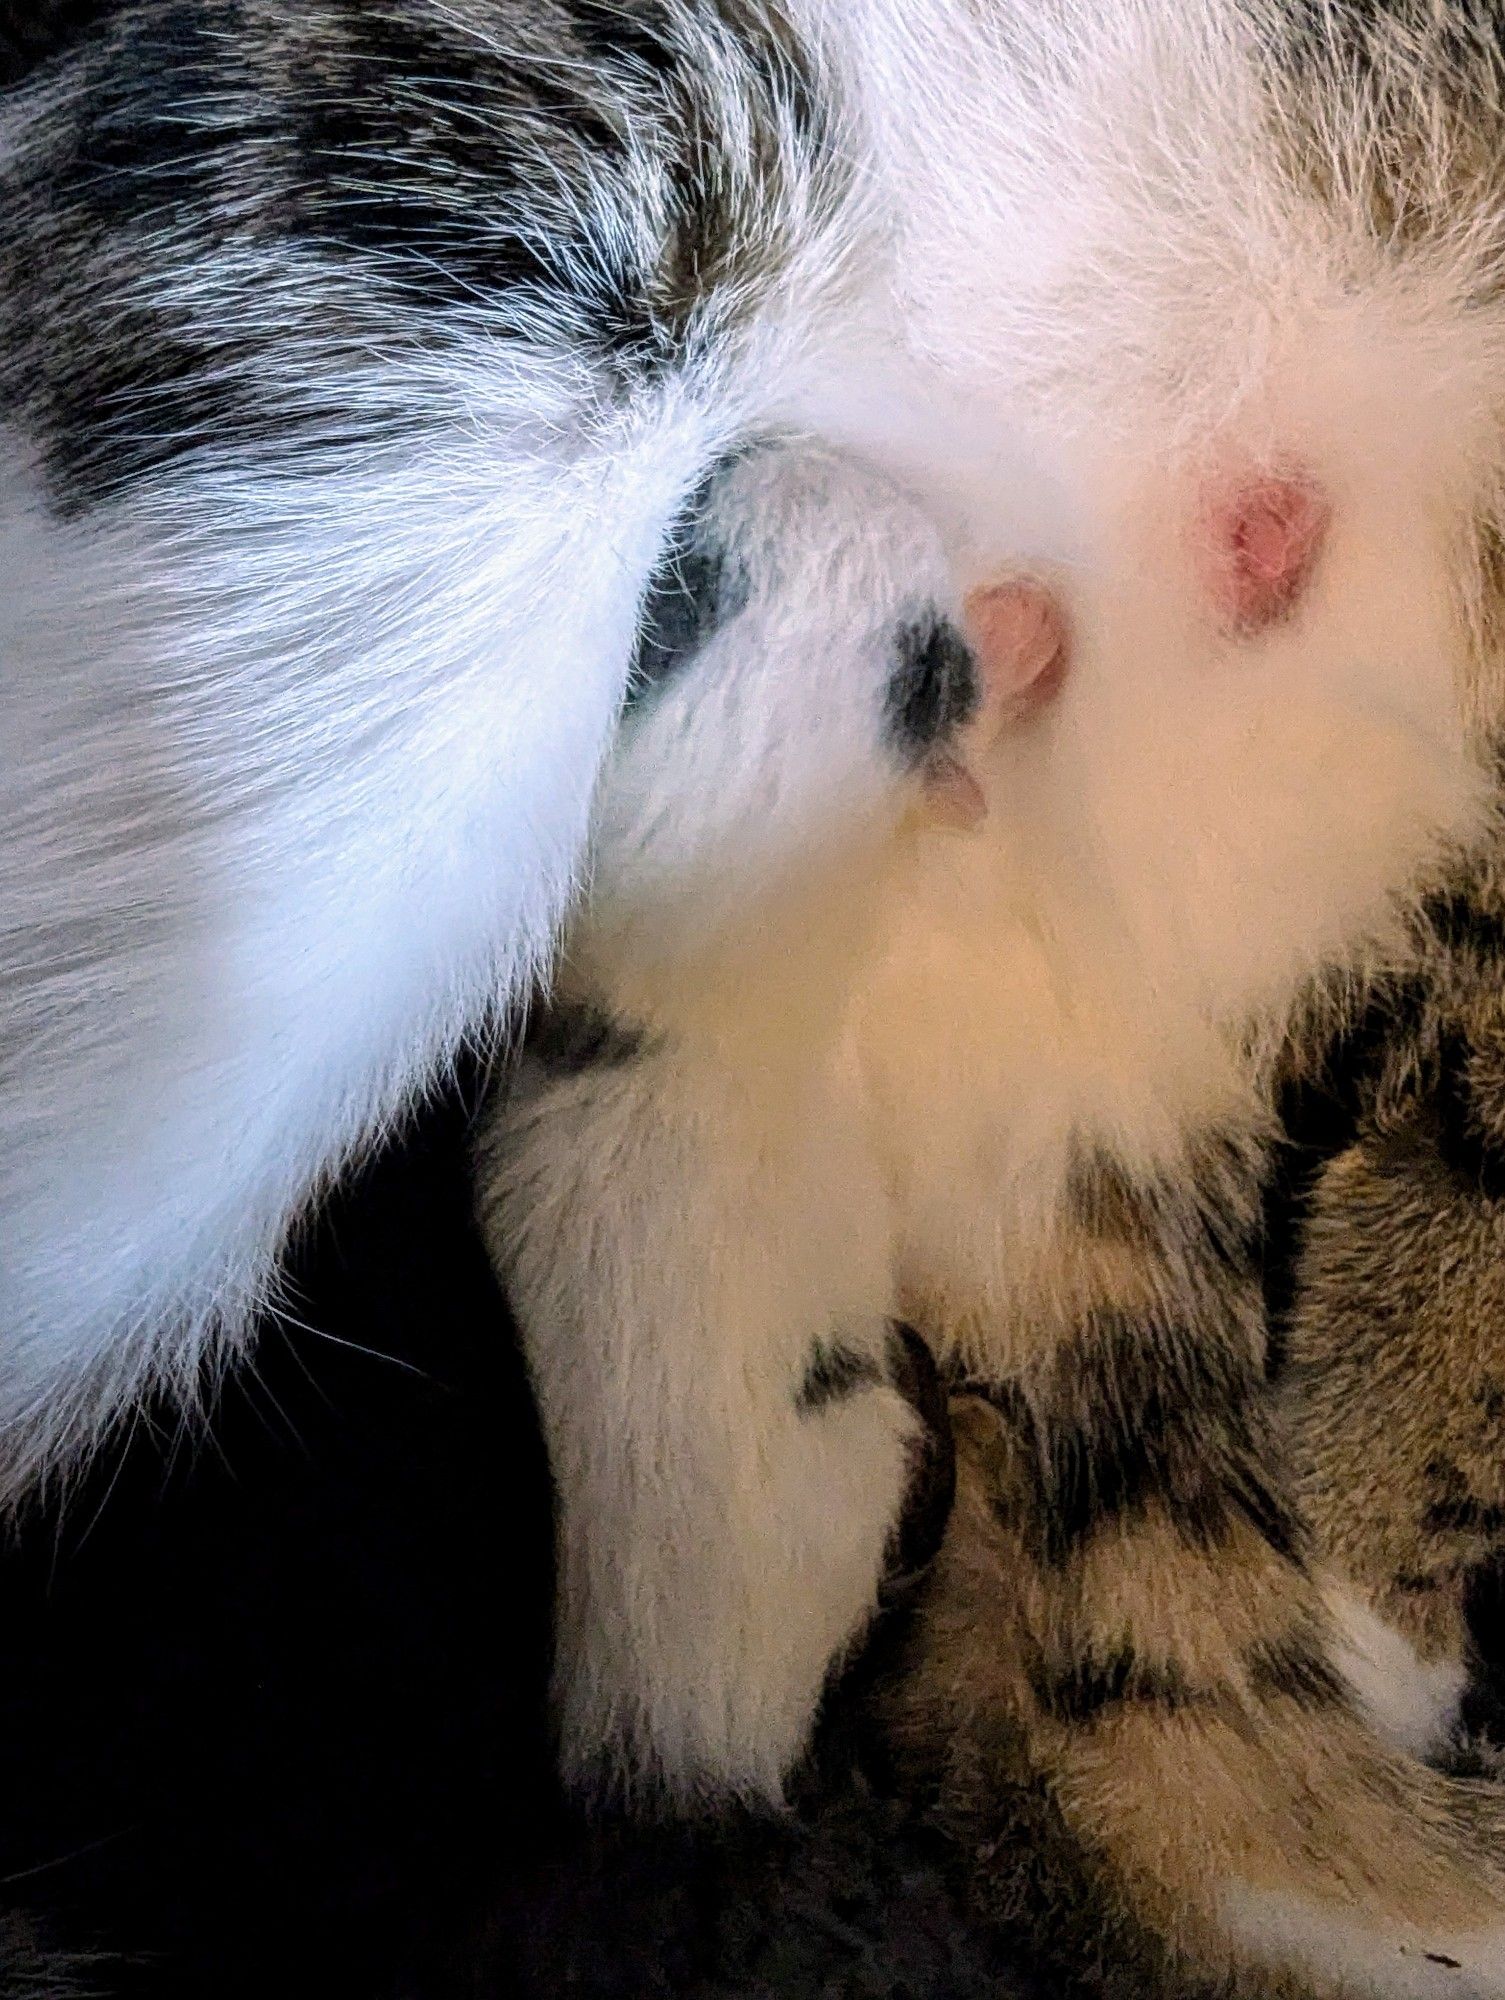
x: 1127, y: 1662
x: 699, y: 1269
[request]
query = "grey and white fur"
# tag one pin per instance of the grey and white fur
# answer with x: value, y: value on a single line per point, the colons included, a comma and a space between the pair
x: 353, y: 361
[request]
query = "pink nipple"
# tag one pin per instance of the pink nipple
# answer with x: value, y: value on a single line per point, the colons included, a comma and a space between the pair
x: 1262, y: 539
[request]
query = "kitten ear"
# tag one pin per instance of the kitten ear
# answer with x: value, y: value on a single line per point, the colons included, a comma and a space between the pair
x: 951, y: 795
x: 1018, y: 635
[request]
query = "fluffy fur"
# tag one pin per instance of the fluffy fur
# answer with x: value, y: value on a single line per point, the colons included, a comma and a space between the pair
x: 1023, y: 1094
x: 352, y: 365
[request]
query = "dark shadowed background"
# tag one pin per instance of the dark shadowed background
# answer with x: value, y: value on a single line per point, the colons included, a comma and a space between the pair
x: 272, y: 1710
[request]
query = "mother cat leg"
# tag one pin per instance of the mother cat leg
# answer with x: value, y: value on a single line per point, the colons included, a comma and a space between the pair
x: 1393, y: 1383
x: 1127, y: 1667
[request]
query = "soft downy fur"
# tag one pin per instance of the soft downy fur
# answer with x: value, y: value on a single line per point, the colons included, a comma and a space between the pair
x: 355, y: 365
x: 1024, y: 1095
x: 824, y: 650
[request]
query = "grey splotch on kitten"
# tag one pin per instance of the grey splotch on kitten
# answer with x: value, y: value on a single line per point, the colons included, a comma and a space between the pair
x: 1020, y: 1090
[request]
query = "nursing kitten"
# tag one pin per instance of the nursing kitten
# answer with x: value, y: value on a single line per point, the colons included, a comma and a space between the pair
x: 1019, y: 1089
x: 354, y: 362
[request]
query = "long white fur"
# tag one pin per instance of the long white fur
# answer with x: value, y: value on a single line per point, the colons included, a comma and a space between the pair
x: 295, y: 776
x: 320, y: 767
x: 296, y: 771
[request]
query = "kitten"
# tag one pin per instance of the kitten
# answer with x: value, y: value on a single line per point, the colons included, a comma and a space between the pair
x: 1019, y: 1089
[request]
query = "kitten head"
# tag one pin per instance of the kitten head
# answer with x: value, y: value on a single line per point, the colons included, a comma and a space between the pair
x: 802, y: 693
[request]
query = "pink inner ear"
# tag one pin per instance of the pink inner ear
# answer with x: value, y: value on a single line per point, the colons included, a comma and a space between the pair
x: 1018, y: 637
x: 1262, y: 543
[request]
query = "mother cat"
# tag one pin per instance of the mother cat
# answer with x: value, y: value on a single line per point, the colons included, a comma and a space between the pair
x: 1020, y: 1091
x: 354, y: 365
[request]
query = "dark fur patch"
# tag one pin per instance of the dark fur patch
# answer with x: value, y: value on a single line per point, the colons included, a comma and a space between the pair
x: 1105, y: 1200
x: 1294, y: 1670
x: 933, y: 690
x: 1411, y: 1584
x: 1454, y: 1509
x: 228, y: 202
x: 1473, y: 1153
x: 1467, y: 1516
x: 1459, y: 923
x: 835, y: 1373
x: 932, y: 1483
x: 33, y: 30
x: 570, y: 1040
x: 1086, y: 1690
x: 1135, y: 1412
x: 1322, y: 1104
x: 697, y: 586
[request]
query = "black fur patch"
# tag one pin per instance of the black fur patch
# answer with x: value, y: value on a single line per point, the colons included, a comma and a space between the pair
x: 1135, y: 1412
x: 570, y: 1040
x: 229, y: 202
x: 1293, y: 1670
x: 32, y: 30
x: 697, y: 586
x: 1460, y: 924
x: 1464, y: 1516
x: 1455, y: 1509
x: 835, y: 1373
x: 1410, y: 1584
x: 932, y: 1485
x: 934, y: 688
x: 1472, y: 1153
x: 1086, y: 1690
x: 1322, y: 1107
